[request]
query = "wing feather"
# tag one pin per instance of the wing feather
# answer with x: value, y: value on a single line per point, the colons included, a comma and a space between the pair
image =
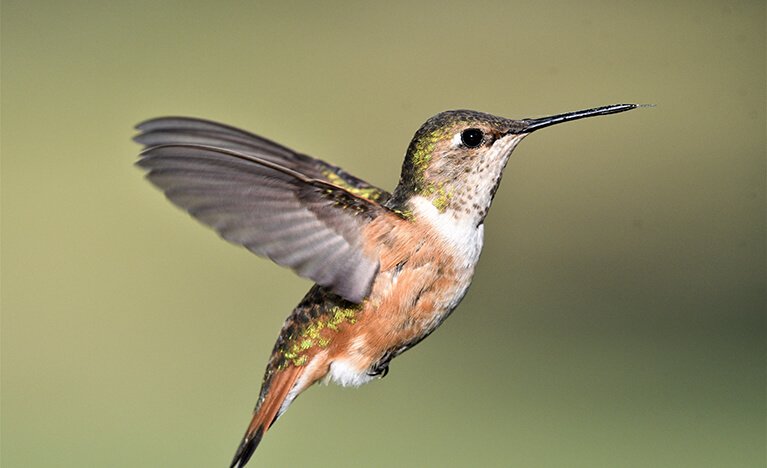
x: 297, y: 220
x: 187, y: 130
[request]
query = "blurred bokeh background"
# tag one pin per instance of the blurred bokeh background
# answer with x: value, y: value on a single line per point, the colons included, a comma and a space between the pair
x: 617, y: 315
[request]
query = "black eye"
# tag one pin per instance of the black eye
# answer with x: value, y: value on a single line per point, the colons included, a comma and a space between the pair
x: 472, y: 137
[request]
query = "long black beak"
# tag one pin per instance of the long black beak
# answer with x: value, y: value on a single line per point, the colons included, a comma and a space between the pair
x: 531, y: 125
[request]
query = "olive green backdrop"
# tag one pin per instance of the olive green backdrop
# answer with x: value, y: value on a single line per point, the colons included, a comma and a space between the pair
x: 617, y: 314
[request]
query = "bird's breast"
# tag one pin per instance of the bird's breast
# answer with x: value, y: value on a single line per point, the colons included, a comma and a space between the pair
x: 426, y: 268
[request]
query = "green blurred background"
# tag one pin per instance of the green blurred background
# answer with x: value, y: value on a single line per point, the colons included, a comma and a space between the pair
x: 617, y: 314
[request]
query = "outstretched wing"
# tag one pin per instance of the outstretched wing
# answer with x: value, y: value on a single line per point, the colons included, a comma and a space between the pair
x: 188, y: 130
x: 302, y: 222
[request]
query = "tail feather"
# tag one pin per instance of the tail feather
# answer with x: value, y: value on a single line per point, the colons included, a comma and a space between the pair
x: 246, y: 448
x: 265, y: 414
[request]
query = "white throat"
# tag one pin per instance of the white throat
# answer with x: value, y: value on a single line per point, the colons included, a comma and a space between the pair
x: 460, y: 233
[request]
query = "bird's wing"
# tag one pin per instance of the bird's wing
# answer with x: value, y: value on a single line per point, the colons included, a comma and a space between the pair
x: 188, y: 130
x: 301, y: 222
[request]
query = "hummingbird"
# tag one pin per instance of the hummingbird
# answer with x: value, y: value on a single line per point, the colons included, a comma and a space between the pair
x: 388, y: 267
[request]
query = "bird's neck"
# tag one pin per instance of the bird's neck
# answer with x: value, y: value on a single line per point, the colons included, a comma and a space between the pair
x: 463, y: 200
x: 458, y: 230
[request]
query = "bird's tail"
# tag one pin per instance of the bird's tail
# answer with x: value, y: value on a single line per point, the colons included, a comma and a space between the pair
x: 269, y: 408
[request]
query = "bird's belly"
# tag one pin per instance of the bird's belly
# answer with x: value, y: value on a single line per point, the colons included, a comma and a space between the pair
x: 413, y: 303
x: 421, y: 313
x: 419, y: 285
x: 346, y: 373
